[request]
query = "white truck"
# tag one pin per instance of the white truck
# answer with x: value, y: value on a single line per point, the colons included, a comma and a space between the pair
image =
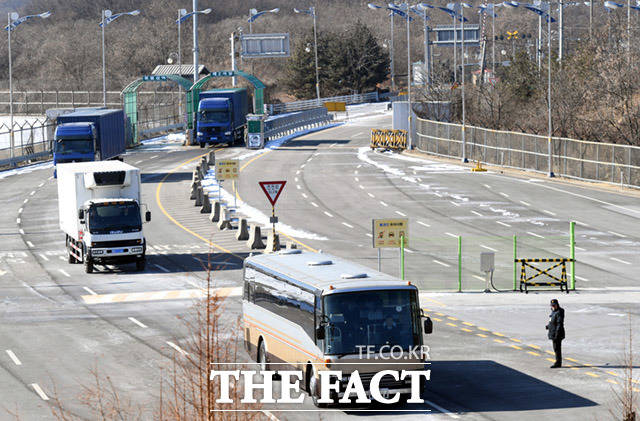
x: 100, y: 213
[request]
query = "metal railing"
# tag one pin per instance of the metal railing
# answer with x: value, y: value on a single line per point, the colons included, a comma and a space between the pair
x: 579, y: 159
x: 284, y: 124
x: 286, y: 107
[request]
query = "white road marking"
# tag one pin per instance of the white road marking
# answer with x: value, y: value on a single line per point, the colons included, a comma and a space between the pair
x: 177, y: 348
x: 162, y: 268
x: 534, y: 234
x: 357, y: 179
x: 64, y: 272
x: 369, y: 235
x: 548, y: 212
x: 451, y: 235
x: 424, y: 224
x: 40, y: 392
x: 298, y: 172
x: 89, y: 290
x: 525, y: 203
x: 441, y: 409
x: 476, y: 213
x: 298, y: 186
x: 371, y: 195
x: 487, y: 186
x: 355, y: 172
x: 44, y: 257
x: 359, y: 165
x: 347, y: 225
x: 20, y: 210
x: 137, y: 162
x: 577, y: 248
x: 21, y: 231
x: 18, y: 220
x: 30, y: 244
x: 620, y: 260
x: 32, y: 193
x: 383, y: 204
x: 295, y: 179
x: 580, y: 223
x: 503, y: 223
x: 437, y: 194
x: 617, y: 234
x: 441, y: 263
x: 488, y: 248
x: 314, y: 204
x: 41, y: 184
x: 454, y: 203
x: 13, y: 357
x: 302, y: 166
x: 328, y: 214
x: 400, y: 213
x: 580, y: 278
x: 139, y: 323
x: 304, y: 195
x: 479, y: 277
x: 504, y: 194
x: 25, y: 201
x: 361, y: 186
x: 154, y: 156
x: 62, y: 258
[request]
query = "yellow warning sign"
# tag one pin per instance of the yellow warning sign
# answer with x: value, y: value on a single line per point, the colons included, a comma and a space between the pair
x: 387, y: 232
x: 227, y: 169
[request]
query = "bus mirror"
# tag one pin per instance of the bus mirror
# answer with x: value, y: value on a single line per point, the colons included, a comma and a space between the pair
x: 428, y: 326
x: 147, y: 216
x: 320, y: 332
x: 81, y: 215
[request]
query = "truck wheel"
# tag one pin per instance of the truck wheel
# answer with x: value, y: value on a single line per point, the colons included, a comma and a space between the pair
x: 70, y: 257
x: 140, y: 264
x: 202, y: 145
x: 88, y: 265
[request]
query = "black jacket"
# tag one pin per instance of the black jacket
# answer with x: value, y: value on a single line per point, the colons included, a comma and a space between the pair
x: 556, y: 325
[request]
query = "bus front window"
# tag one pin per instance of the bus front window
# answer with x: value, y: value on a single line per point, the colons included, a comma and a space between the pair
x: 357, y: 320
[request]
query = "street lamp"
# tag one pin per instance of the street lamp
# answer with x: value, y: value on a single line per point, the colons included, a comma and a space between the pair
x: 391, y: 60
x: 312, y: 12
x: 183, y: 17
x: 422, y: 7
x: 254, y: 14
x: 13, y: 20
x: 490, y: 8
x: 107, y: 18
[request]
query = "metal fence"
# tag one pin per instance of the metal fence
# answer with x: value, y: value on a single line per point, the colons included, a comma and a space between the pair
x: 286, y: 107
x: 579, y: 159
x: 287, y: 123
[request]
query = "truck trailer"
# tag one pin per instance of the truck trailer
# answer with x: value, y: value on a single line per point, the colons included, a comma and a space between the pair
x: 93, y: 134
x: 100, y: 213
x: 222, y: 116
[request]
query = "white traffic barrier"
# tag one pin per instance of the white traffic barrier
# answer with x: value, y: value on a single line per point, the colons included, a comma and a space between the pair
x: 243, y: 230
x: 273, y: 242
x: 255, y: 238
x: 215, y: 212
x: 225, y: 220
x: 206, y: 204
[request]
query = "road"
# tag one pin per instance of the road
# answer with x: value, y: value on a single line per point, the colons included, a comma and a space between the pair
x: 489, y: 353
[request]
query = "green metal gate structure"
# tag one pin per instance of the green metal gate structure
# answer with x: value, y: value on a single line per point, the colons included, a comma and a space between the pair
x: 130, y: 100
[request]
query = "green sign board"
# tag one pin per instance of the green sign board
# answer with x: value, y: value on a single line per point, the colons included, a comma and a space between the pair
x: 153, y: 78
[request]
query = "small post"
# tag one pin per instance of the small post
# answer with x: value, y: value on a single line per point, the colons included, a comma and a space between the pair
x: 402, y: 257
x: 459, y: 263
x: 572, y: 253
x: 515, y: 264
x: 379, y: 259
x: 235, y: 195
x: 220, y: 191
x: 273, y: 220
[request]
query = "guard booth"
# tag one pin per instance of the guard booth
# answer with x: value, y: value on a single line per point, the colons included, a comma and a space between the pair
x: 255, y: 131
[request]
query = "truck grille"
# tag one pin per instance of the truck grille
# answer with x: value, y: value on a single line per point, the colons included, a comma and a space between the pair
x: 120, y: 243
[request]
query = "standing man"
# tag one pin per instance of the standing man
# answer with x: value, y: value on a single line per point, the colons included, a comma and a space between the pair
x: 556, y: 330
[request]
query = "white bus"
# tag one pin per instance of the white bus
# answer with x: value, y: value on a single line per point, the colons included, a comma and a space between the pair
x: 313, y: 311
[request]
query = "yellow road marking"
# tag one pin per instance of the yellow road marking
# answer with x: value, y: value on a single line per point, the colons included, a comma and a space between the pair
x: 465, y: 329
x: 451, y: 318
x: 612, y: 373
x: 515, y: 347
x: 588, y: 373
x: 515, y: 340
x: 612, y: 381
x: 435, y: 302
x: 534, y: 346
x: 551, y: 359
x: 436, y: 319
x: 440, y: 314
x: 481, y: 335
x: 467, y: 323
x: 482, y: 328
x: 533, y: 353
x: 452, y: 324
x: 551, y: 353
x: 570, y: 359
x: 500, y: 341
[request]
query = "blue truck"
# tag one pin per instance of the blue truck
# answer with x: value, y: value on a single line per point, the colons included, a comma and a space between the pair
x: 89, y: 135
x: 222, y: 116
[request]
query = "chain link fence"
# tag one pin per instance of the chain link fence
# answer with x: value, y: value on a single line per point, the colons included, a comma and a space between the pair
x: 592, y: 161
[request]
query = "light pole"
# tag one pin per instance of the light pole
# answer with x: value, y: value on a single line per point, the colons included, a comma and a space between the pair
x: 550, y: 149
x: 391, y: 61
x: 107, y: 18
x: 183, y: 16
x: 13, y: 20
x: 254, y: 14
x: 462, y: 6
x: 312, y: 12
x: 181, y: 13
x: 427, y: 44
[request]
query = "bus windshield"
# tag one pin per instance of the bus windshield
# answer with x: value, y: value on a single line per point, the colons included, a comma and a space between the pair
x: 355, y: 320
x: 106, y: 218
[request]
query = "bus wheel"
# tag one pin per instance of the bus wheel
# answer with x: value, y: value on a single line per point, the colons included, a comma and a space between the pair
x: 314, y: 389
x: 262, y: 357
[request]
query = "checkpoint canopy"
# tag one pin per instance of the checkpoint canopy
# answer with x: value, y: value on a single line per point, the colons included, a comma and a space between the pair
x: 130, y: 100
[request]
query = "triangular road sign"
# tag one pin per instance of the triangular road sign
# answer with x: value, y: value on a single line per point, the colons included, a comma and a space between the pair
x: 272, y: 190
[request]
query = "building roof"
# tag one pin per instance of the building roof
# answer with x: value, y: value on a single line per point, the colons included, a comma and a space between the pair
x: 175, y: 69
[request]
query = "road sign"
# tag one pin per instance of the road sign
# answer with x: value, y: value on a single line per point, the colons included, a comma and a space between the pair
x: 226, y: 169
x: 265, y: 45
x: 387, y: 232
x: 272, y: 190
x: 154, y: 78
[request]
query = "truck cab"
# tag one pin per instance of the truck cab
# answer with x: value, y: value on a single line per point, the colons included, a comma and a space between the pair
x: 75, y: 142
x: 215, y: 123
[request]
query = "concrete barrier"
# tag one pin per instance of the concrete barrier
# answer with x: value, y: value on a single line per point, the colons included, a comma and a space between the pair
x: 194, y: 192
x: 273, y: 242
x: 206, y: 204
x: 225, y: 220
x: 204, y: 164
x: 195, y: 176
x: 243, y: 230
x: 199, y: 196
x: 291, y: 245
x: 255, y: 238
x: 212, y: 158
x: 215, y: 212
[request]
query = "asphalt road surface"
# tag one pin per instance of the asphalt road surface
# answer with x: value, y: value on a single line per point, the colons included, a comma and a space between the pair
x: 489, y: 351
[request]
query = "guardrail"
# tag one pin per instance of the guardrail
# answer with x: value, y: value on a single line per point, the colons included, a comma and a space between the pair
x: 571, y: 158
x: 284, y: 124
x: 286, y: 107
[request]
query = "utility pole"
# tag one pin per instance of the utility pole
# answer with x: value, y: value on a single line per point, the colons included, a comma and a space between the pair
x: 196, y: 50
x: 550, y: 128
x: 409, y: 131
x: 233, y: 58
x: 560, y: 29
x: 464, y: 120
x: 393, y: 72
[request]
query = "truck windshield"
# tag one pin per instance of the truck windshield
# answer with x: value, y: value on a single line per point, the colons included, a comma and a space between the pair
x: 370, y: 318
x: 74, y: 146
x: 214, y: 116
x: 114, y: 217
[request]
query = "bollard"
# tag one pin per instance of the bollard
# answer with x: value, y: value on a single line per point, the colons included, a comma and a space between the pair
x: 212, y: 158
x: 194, y: 176
x: 255, y: 238
x: 224, y: 223
x: 199, y: 195
x: 215, y: 212
x: 206, y: 204
x: 273, y: 242
x: 291, y: 245
x: 204, y: 164
x: 194, y: 192
x: 243, y: 230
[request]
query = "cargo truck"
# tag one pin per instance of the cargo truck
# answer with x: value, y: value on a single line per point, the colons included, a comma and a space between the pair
x: 89, y: 135
x: 100, y: 213
x: 222, y: 116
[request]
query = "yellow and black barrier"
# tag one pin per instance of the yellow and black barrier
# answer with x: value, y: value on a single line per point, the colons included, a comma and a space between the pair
x: 528, y: 281
x: 388, y: 139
